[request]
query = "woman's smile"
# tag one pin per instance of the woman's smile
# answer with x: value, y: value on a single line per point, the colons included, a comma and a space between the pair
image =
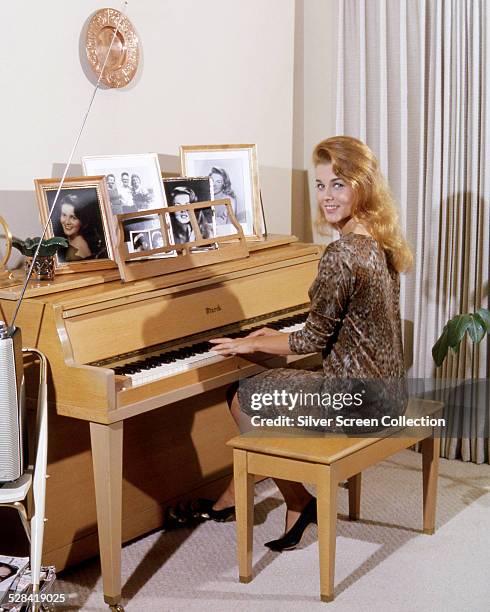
x: 334, y: 195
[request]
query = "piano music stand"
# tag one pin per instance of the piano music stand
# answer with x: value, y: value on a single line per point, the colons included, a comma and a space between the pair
x: 180, y: 256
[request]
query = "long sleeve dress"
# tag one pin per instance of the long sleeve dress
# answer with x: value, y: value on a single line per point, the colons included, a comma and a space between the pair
x: 354, y: 321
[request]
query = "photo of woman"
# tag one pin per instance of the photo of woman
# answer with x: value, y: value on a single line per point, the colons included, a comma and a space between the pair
x: 189, y: 191
x: 222, y: 189
x: 79, y: 220
x: 80, y: 215
x: 233, y: 170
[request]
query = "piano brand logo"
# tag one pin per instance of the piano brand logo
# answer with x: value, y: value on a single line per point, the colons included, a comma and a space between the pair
x: 210, y: 310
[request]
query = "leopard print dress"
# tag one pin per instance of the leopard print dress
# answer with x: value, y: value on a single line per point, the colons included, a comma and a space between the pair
x: 354, y: 321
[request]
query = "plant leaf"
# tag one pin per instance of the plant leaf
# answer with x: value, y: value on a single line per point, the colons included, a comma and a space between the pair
x: 19, y: 245
x: 476, y: 330
x: 457, y: 327
x: 440, y: 348
x: 57, y: 241
x: 484, y: 315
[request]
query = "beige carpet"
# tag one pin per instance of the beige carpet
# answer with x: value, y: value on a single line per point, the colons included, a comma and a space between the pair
x: 383, y: 563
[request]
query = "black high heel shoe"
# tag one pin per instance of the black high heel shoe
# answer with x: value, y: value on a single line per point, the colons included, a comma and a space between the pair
x: 293, y: 537
x: 203, y: 508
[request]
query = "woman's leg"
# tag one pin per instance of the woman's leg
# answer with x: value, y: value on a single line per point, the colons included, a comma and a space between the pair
x: 294, y: 493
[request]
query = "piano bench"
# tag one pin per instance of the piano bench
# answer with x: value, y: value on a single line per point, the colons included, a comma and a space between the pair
x: 324, y: 462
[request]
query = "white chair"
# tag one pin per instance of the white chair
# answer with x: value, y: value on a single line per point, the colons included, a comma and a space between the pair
x: 13, y: 494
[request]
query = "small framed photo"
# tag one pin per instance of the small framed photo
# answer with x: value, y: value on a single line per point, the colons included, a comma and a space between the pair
x: 233, y: 170
x: 134, y: 182
x: 189, y: 190
x: 143, y: 233
x: 81, y: 216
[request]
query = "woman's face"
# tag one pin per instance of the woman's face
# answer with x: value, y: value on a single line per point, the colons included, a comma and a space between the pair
x: 217, y: 183
x: 69, y: 221
x: 182, y: 216
x: 135, y: 181
x: 334, y: 196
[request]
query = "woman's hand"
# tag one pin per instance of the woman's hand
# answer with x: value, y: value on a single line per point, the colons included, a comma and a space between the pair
x: 234, y: 346
x: 263, y: 340
x: 264, y: 331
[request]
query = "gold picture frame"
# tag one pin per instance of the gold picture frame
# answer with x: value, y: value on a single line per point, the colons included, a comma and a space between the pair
x: 81, y: 215
x: 235, y: 174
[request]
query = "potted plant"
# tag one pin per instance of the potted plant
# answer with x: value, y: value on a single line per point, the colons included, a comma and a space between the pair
x: 476, y: 324
x: 44, y: 264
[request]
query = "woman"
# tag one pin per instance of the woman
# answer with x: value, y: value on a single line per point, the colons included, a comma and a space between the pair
x: 77, y: 224
x: 222, y: 189
x: 181, y: 220
x: 354, y: 318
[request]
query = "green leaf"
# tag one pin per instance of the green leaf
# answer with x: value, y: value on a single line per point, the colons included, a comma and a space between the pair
x: 56, y: 241
x: 476, y: 330
x: 18, y: 244
x: 440, y: 348
x: 484, y: 316
x: 48, y: 248
x: 457, y: 327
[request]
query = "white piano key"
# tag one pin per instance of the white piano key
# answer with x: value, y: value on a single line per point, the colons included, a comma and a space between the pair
x: 187, y: 363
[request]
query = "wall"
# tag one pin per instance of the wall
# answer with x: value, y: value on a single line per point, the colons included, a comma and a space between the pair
x: 313, y: 104
x: 219, y: 71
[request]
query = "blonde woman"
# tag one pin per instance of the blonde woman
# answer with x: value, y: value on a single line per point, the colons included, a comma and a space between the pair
x: 354, y: 317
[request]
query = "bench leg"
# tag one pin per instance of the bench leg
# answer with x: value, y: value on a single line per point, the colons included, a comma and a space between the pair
x: 430, y: 468
x: 327, y: 523
x: 354, y: 486
x: 244, y: 510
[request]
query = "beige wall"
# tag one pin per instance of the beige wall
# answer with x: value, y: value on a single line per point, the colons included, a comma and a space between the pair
x: 320, y: 45
x: 219, y: 71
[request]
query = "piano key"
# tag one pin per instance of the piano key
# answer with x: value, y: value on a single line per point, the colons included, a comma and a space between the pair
x: 176, y: 361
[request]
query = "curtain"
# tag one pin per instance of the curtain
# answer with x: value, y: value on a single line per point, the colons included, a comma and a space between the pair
x: 412, y: 82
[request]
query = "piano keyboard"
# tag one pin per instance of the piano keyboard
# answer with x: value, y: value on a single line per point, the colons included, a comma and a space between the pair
x: 155, y: 366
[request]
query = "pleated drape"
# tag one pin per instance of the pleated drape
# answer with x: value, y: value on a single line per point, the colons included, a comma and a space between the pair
x: 412, y: 81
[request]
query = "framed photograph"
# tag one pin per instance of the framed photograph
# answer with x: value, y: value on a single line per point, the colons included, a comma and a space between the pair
x: 134, y: 182
x: 143, y: 233
x: 234, y: 173
x: 81, y: 216
x: 189, y: 190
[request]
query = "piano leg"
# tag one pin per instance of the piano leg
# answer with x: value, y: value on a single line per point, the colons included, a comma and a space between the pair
x: 107, y: 446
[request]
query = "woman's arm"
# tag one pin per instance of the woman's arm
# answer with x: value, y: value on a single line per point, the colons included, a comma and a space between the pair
x: 262, y: 341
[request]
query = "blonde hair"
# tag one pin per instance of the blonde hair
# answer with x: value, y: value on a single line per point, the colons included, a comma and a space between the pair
x: 374, y: 205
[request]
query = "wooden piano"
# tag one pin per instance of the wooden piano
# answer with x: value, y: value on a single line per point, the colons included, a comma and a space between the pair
x: 134, y: 356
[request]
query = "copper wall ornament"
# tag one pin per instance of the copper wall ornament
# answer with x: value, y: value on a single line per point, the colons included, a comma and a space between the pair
x: 124, y: 56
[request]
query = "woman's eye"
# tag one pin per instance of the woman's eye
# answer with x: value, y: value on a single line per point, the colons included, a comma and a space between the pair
x: 320, y: 186
x: 338, y: 185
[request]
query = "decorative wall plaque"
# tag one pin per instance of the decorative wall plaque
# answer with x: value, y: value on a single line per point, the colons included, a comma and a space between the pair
x: 124, y: 56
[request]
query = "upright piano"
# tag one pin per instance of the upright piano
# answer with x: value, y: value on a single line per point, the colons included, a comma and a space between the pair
x: 134, y: 357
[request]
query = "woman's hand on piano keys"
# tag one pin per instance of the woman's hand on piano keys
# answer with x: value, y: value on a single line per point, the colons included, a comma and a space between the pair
x: 263, y: 340
x: 265, y: 331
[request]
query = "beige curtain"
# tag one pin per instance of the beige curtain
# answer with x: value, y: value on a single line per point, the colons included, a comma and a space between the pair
x: 412, y: 81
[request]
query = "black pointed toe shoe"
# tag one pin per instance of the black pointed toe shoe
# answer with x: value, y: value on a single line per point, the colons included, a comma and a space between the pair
x: 293, y: 537
x: 204, y: 509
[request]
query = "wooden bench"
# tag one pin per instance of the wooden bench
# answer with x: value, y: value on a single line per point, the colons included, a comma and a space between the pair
x: 325, y: 462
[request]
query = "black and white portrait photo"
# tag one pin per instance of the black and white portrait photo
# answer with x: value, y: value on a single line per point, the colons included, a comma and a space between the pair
x: 181, y: 191
x: 80, y: 217
x: 133, y: 181
x: 140, y: 240
x: 156, y: 239
x: 234, y: 175
x: 143, y: 234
